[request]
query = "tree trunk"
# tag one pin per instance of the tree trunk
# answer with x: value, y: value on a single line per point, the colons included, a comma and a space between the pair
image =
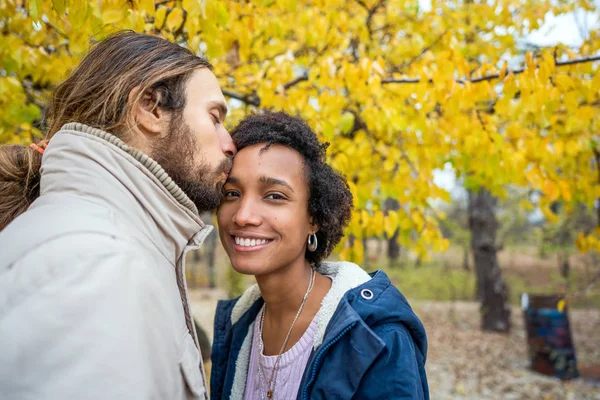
x: 564, y: 265
x: 393, y: 250
x: 365, y: 243
x: 466, y: 266
x: 393, y: 247
x: 492, y: 291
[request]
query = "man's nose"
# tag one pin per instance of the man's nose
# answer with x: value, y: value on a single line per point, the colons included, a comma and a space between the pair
x: 227, y: 145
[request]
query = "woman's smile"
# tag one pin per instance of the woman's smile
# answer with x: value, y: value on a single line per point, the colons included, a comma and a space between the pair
x: 247, y: 242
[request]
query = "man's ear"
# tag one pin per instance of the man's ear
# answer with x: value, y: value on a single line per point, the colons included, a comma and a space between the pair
x: 149, y: 117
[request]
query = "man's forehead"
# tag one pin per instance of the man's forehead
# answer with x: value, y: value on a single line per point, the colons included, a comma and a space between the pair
x: 204, y: 84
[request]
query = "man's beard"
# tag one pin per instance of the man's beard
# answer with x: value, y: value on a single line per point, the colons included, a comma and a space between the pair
x: 175, y: 153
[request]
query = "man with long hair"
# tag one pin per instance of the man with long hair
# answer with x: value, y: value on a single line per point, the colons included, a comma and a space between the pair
x: 95, y: 223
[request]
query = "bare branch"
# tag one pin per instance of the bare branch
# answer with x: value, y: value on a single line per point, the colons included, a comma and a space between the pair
x: 254, y: 100
x: 423, y: 51
x: 29, y: 90
x: 60, y: 33
x: 403, y: 80
x: 409, y: 162
x: 250, y: 99
x: 493, y: 76
x: 370, y: 13
x: 296, y: 81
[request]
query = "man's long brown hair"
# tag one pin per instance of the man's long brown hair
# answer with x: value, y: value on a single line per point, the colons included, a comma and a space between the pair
x: 97, y: 94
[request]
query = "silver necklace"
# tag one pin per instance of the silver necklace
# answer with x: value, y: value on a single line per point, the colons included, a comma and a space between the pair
x: 273, y: 378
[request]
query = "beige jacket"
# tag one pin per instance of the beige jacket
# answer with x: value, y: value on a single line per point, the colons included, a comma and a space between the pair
x: 93, y: 300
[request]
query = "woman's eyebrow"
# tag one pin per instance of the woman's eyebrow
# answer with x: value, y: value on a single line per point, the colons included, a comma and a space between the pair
x: 274, y: 181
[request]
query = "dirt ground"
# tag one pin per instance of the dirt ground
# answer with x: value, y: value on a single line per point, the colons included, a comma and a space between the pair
x: 465, y: 363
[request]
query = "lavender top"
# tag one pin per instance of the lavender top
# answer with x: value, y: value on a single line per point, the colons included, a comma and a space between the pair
x: 290, y: 370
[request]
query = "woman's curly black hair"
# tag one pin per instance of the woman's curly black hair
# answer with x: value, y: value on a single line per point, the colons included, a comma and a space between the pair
x: 330, y: 200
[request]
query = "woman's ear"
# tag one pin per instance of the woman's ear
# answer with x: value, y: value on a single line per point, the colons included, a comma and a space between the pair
x: 149, y: 117
x: 314, y: 228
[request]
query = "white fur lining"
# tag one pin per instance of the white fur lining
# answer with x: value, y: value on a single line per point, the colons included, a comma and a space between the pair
x: 244, y: 303
x: 346, y: 276
x: 242, y: 364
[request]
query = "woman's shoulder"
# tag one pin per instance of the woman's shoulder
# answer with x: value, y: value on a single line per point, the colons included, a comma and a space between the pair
x: 233, y: 310
x: 383, y: 307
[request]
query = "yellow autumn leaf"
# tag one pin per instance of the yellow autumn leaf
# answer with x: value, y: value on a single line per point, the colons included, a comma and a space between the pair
x: 581, y: 242
x: 148, y: 7
x: 35, y: 8
x: 60, y: 6
x: 559, y: 147
x: 390, y: 223
x: 595, y: 86
x: 357, y: 252
x: 174, y: 19
x: 376, y: 224
x: 564, y: 83
x: 112, y: 16
x: 159, y: 17
x: 551, y: 190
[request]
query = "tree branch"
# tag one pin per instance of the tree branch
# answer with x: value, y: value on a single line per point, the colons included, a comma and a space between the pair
x: 493, y: 76
x: 60, y: 33
x: 29, y: 90
x: 254, y: 100
x: 250, y: 99
x: 294, y: 82
x: 423, y: 51
x: 370, y: 13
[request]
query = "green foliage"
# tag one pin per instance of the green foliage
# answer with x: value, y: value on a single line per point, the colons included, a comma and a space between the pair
x: 432, y: 281
x: 443, y: 279
x: 235, y: 283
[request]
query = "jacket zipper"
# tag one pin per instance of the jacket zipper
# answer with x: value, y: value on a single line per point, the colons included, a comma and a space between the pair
x: 318, y: 357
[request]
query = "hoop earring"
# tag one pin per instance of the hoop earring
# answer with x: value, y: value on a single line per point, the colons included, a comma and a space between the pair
x: 312, y: 242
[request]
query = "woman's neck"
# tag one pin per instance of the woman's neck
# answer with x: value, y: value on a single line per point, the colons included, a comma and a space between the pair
x: 283, y: 292
x: 284, y: 289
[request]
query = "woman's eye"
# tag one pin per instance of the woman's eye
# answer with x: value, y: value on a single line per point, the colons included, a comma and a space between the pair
x: 231, y: 193
x: 275, y: 196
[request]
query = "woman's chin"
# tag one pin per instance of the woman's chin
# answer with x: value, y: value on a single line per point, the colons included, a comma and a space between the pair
x: 245, y: 268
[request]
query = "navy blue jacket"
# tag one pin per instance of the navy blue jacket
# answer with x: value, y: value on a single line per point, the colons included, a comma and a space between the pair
x: 374, y: 347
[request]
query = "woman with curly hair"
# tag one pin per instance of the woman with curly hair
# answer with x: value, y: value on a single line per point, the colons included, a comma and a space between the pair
x: 308, y: 329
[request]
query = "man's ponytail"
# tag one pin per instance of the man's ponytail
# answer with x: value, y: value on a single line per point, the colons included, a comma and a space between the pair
x: 19, y: 180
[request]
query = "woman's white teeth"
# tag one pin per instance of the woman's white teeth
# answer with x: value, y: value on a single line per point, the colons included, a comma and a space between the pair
x: 249, y: 242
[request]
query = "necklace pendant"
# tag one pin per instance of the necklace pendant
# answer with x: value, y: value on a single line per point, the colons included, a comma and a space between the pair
x: 270, y: 394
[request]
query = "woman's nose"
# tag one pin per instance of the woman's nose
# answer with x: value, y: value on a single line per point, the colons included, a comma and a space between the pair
x: 246, y: 214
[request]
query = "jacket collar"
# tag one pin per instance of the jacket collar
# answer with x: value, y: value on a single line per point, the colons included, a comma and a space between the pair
x: 345, y: 276
x: 98, y: 167
x: 335, y: 313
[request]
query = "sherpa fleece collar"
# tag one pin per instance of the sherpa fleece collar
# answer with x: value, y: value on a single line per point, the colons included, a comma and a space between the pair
x: 345, y: 276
